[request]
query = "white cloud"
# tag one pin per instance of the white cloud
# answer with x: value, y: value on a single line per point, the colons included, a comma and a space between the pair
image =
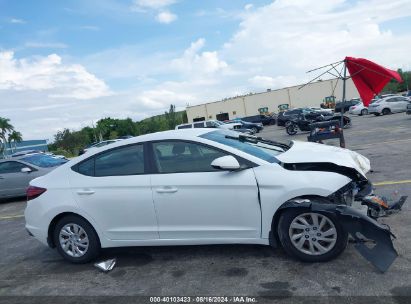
x: 152, y: 4
x: 197, y: 63
x: 17, y: 21
x: 166, y: 17
x: 163, y: 15
x: 248, y: 6
x: 267, y: 82
x: 46, y: 45
x: 50, y: 75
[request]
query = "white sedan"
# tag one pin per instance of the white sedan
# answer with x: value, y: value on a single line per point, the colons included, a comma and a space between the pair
x: 202, y: 186
x: 358, y: 109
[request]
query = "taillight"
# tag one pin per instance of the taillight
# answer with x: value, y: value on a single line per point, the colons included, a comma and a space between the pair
x: 33, y: 192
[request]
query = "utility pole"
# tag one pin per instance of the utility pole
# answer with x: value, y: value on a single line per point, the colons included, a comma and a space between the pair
x: 342, y: 143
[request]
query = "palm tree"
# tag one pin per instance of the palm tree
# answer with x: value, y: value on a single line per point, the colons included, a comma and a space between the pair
x: 15, y: 137
x: 5, y: 127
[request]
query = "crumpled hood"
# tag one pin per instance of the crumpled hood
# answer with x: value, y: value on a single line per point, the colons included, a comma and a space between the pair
x: 307, y: 152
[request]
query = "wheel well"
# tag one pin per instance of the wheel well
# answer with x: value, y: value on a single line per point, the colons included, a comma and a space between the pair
x: 54, y: 222
x: 389, y: 110
x: 275, y: 241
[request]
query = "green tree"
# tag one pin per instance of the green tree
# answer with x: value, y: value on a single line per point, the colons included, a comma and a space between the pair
x: 14, y: 138
x: 5, y: 128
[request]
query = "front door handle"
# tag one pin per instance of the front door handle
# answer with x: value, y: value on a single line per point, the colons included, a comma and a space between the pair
x: 166, y: 190
x: 85, y: 192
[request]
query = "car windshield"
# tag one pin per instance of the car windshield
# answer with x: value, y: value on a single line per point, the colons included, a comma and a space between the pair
x: 255, y: 146
x: 44, y: 161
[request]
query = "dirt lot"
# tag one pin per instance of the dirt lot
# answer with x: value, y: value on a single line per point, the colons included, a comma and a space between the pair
x: 29, y: 268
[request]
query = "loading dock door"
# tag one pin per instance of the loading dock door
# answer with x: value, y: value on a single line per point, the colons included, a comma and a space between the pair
x: 199, y: 119
x: 222, y: 116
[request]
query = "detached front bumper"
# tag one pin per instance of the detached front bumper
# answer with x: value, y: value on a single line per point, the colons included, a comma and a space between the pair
x: 364, y: 229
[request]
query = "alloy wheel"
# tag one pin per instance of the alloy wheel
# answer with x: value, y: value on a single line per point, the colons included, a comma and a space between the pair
x: 73, y: 240
x: 313, y: 233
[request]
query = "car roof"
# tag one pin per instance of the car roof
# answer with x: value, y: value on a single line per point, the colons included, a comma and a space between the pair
x: 20, y: 157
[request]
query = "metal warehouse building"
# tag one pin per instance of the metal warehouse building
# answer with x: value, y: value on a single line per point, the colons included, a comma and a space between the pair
x: 309, y: 96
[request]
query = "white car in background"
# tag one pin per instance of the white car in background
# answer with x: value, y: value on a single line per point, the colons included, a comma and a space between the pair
x: 210, y: 124
x: 388, y: 105
x: 203, y: 186
x: 358, y: 109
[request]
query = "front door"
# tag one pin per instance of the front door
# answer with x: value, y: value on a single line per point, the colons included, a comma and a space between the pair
x: 113, y: 189
x: 195, y: 201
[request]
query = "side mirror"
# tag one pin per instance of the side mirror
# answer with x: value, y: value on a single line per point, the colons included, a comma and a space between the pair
x: 226, y: 163
x: 26, y: 170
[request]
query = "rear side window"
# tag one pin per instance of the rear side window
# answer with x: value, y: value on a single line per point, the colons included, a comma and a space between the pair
x: 184, y: 127
x: 117, y: 162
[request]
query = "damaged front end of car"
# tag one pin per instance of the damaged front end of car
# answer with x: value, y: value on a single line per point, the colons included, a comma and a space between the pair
x: 373, y: 240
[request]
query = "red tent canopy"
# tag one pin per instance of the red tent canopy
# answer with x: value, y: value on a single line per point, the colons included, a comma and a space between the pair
x: 369, y: 77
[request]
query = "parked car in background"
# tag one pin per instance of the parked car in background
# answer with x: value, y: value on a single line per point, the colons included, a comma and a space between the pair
x: 346, y: 105
x: 408, y: 109
x: 322, y: 110
x: 263, y: 119
x: 286, y: 116
x: 184, y: 195
x: 358, y: 109
x: 97, y: 145
x: 388, y: 105
x: 26, y: 152
x: 210, y: 124
x: 18, y: 171
x: 255, y: 127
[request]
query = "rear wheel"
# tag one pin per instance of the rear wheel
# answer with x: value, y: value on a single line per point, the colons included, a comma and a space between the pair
x: 76, y: 240
x: 254, y: 129
x: 311, y: 236
x: 364, y: 112
x: 386, y: 111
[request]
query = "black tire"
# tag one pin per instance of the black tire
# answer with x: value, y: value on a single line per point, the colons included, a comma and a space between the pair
x: 254, y: 129
x: 291, y: 129
x: 386, y: 111
x: 94, y: 247
x: 364, y: 112
x: 285, y: 221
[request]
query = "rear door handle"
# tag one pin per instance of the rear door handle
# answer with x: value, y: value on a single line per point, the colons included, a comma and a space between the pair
x: 85, y: 192
x: 166, y: 190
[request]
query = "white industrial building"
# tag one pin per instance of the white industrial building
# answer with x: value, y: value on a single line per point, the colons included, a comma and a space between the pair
x: 311, y: 95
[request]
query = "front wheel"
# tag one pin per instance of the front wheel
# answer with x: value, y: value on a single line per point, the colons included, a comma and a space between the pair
x: 364, y: 112
x: 76, y: 240
x: 311, y: 236
x: 291, y: 128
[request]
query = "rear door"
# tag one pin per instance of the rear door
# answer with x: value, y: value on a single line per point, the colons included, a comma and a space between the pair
x: 195, y: 201
x: 113, y: 189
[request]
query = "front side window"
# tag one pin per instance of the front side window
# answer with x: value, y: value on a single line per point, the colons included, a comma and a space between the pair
x: 179, y: 156
x: 262, y: 149
x: 127, y: 160
x: 11, y: 167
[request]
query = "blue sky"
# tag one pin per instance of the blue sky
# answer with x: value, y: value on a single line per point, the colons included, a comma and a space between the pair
x: 68, y: 63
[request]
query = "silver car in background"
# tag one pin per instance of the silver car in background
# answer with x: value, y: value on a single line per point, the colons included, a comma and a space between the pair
x: 17, y: 172
x: 388, y: 105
